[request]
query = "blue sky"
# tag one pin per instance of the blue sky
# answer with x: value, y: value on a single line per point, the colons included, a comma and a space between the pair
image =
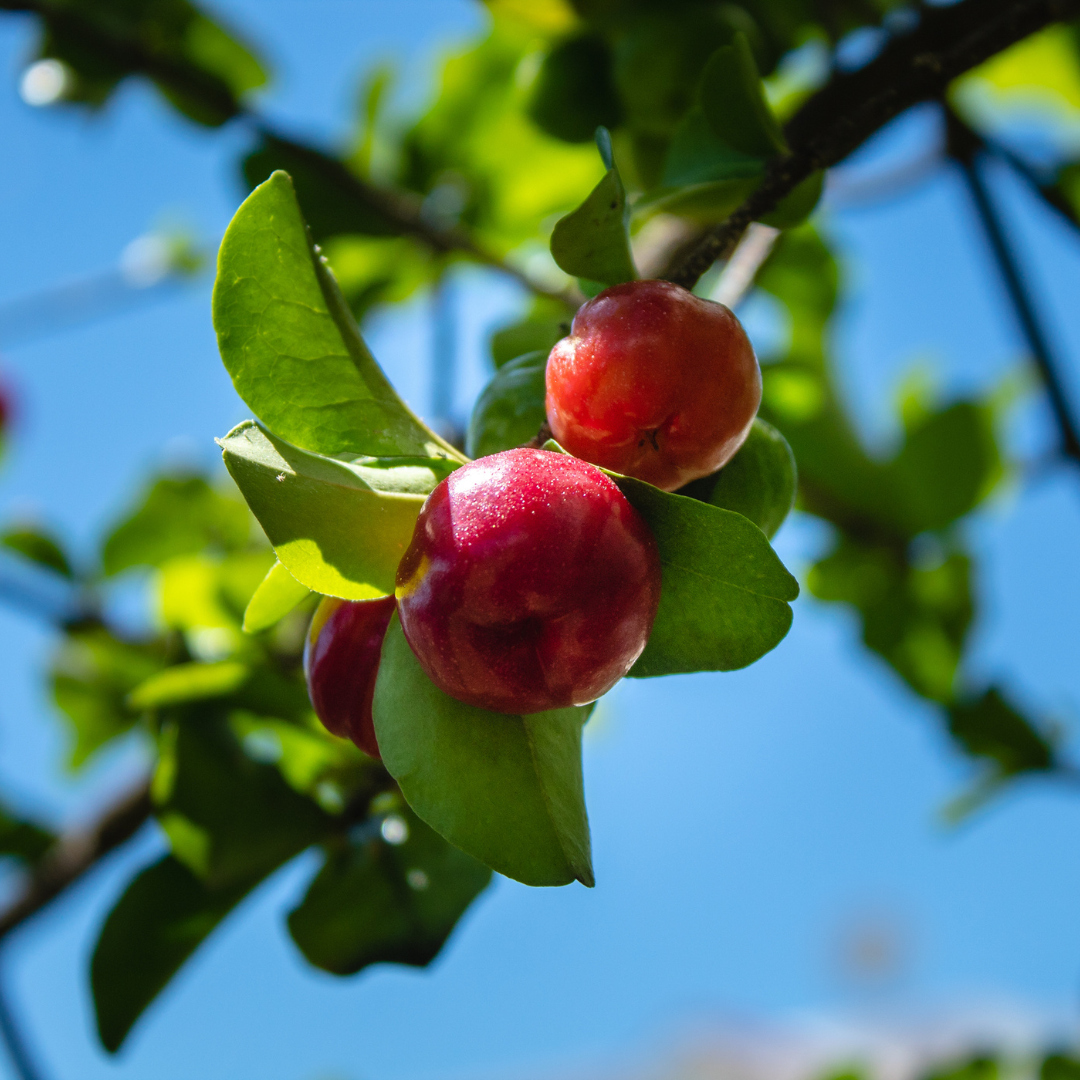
x: 740, y: 822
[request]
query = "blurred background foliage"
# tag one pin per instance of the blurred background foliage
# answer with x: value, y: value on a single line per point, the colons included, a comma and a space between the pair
x: 245, y: 777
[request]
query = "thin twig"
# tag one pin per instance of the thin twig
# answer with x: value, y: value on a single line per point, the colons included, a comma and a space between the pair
x: 1023, y: 306
x: 852, y: 106
x: 75, y: 853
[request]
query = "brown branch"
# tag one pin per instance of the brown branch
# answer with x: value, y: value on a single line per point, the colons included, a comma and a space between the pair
x: 853, y: 106
x: 77, y: 852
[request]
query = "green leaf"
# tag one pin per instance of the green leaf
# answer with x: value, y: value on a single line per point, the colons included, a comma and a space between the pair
x: 292, y: 346
x: 340, y: 527
x: 199, y: 67
x: 510, y: 409
x: 947, y: 465
x: 277, y: 595
x: 23, y: 839
x: 990, y: 727
x: 163, y: 916
x: 916, y: 617
x: 506, y: 789
x: 795, y: 207
x: 39, y: 547
x: 178, y: 516
x: 326, y: 189
x: 376, y: 902
x: 1059, y: 1067
x: 92, y: 675
x: 698, y: 155
x: 594, y: 240
x: 253, y: 821
x: 573, y: 93
x: 546, y: 322
x: 724, y: 594
x: 759, y: 482
x: 733, y: 101
x: 188, y: 682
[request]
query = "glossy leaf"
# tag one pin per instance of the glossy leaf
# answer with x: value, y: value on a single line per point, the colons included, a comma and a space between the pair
x: 278, y: 593
x: 759, y: 482
x: 506, y: 789
x: 593, y: 242
x: 724, y: 595
x: 379, y: 902
x: 291, y: 344
x: 510, y: 409
x: 733, y: 101
x: 339, y: 527
x: 178, y: 516
x: 698, y: 155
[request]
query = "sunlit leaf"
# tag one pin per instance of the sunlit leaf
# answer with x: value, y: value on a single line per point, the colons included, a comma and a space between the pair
x: 291, y: 344
x: 277, y: 595
x: 339, y: 527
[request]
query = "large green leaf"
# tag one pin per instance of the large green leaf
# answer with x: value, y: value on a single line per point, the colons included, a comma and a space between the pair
x: 511, y: 409
x: 724, y: 594
x: 291, y: 344
x: 758, y: 482
x: 593, y: 241
x: 506, y: 789
x: 340, y: 527
x: 377, y: 900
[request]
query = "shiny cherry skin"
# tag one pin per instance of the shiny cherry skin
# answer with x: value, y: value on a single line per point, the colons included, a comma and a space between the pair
x: 653, y: 382
x: 341, y: 662
x: 531, y: 583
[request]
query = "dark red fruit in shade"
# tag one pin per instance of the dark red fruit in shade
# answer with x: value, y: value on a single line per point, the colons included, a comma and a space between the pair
x: 341, y: 661
x: 530, y: 583
x: 653, y: 382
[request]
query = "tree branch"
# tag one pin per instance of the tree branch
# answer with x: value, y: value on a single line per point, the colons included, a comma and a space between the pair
x: 852, y: 106
x: 75, y: 853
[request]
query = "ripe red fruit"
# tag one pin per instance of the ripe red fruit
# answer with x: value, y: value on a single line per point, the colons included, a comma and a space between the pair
x: 653, y: 382
x: 341, y: 661
x: 530, y: 583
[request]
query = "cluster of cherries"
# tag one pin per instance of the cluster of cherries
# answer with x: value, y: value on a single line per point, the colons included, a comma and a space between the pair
x: 531, y: 583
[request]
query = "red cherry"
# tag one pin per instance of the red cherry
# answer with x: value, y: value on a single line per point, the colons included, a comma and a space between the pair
x: 530, y: 583
x: 653, y: 382
x: 341, y: 661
